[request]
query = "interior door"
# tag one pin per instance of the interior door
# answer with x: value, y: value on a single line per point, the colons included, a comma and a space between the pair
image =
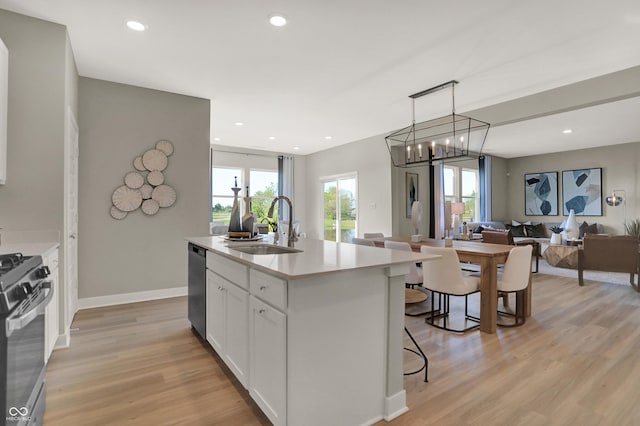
x: 71, y: 213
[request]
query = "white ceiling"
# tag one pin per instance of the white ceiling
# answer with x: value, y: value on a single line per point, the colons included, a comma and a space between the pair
x: 345, y: 68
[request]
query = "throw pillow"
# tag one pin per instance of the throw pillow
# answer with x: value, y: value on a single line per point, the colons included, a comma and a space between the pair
x: 517, y: 231
x: 516, y: 223
x: 478, y: 229
x: 585, y: 228
x: 536, y: 231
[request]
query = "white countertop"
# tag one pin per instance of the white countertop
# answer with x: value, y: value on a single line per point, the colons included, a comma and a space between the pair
x: 28, y: 249
x: 317, y: 257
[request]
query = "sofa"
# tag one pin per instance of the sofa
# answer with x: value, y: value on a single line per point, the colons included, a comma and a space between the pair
x: 529, y: 230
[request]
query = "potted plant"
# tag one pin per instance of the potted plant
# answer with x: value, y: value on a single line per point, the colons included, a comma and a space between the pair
x: 556, y: 237
x: 633, y: 228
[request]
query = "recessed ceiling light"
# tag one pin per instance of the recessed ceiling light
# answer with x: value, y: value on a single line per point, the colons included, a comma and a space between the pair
x: 216, y: 139
x: 328, y: 137
x: 278, y: 20
x: 136, y: 26
x: 296, y: 148
x: 239, y: 123
x: 272, y: 138
x: 567, y: 131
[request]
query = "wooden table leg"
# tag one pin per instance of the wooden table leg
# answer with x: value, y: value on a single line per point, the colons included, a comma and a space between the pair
x: 527, y: 298
x: 488, y: 294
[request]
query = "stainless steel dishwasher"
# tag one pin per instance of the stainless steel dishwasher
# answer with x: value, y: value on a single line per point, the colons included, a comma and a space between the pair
x: 198, y: 289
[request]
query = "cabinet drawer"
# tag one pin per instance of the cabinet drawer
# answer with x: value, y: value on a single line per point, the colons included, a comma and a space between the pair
x: 235, y: 272
x: 269, y: 289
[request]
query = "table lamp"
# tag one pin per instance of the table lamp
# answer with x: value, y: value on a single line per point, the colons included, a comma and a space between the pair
x: 456, y: 210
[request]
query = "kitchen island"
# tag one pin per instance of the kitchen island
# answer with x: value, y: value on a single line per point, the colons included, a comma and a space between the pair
x: 316, y: 335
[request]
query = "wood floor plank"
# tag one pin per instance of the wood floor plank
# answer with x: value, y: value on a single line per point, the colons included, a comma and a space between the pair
x: 575, y: 361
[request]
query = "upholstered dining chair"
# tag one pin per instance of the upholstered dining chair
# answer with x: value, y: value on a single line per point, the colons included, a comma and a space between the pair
x: 515, y: 279
x: 414, y: 277
x: 362, y: 242
x: 373, y: 235
x: 445, y: 278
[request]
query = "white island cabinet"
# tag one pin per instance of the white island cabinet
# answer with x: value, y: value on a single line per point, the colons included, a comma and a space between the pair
x: 315, y: 336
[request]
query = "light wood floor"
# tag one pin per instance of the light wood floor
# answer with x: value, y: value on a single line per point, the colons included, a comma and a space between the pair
x: 575, y: 361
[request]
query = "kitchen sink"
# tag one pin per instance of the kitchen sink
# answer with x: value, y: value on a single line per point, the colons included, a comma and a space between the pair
x: 266, y: 249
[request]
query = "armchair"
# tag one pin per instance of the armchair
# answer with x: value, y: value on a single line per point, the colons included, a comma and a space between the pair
x: 609, y: 253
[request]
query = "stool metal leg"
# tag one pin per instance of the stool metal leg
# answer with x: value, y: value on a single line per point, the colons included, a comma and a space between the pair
x: 425, y: 360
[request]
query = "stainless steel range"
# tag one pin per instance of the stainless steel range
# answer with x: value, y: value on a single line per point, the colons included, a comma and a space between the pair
x: 24, y: 294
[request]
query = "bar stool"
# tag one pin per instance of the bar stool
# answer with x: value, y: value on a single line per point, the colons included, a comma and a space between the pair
x: 416, y: 296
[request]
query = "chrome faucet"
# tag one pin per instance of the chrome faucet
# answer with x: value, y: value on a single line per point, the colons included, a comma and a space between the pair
x: 292, y: 232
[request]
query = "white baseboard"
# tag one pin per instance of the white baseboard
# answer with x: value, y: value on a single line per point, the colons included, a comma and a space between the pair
x: 395, y: 406
x: 140, y: 296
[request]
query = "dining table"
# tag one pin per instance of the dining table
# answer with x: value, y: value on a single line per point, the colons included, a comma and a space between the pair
x: 489, y: 256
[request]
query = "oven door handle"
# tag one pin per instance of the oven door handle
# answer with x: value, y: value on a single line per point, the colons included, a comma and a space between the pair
x: 23, y: 320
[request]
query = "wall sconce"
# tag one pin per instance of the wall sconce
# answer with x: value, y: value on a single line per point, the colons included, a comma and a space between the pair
x: 615, y: 200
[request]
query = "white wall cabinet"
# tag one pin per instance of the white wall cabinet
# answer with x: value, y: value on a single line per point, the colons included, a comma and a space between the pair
x: 51, y: 311
x: 268, y: 360
x: 228, y: 324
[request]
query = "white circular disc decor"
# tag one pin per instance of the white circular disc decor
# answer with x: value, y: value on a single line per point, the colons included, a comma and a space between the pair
x: 150, y: 207
x: 116, y: 213
x: 145, y: 190
x: 155, y: 178
x: 164, y: 195
x: 137, y: 164
x: 126, y: 199
x: 165, y: 146
x: 134, y: 180
x: 154, y: 160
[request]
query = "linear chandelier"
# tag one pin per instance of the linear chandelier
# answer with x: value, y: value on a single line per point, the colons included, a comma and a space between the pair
x: 449, y: 138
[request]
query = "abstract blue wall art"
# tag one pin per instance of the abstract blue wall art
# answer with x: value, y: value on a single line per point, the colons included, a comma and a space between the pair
x: 541, y: 194
x: 582, y: 192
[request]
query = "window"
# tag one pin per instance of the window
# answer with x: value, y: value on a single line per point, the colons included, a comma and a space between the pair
x: 461, y: 185
x: 340, y: 208
x: 222, y: 180
x: 263, y: 187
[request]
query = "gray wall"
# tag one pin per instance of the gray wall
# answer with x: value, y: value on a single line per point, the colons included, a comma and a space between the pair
x: 38, y: 63
x: 369, y: 158
x: 139, y: 253
x: 620, y: 170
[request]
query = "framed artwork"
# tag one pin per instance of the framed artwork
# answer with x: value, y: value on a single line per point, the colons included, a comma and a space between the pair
x: 582, y: 192
x: 541, y: 194
x: 411, y: 190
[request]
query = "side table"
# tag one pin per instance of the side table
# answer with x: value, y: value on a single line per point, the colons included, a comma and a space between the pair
x: 562, y: 256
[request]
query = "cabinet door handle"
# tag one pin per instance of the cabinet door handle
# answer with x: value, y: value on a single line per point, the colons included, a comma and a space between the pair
x: 262, y: 311
x: 220, y: 288
x: 263, y: 287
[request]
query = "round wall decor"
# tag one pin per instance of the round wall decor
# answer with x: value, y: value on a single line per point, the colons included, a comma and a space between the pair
x: 134, y: 180
x: 145, y: 190
x: 164, y: 195
x: 137, y: 164
x: 147, y: 193
x: 154, y: 160
x: 116, y: 213
x: 126, y: 199
x: 165, y: 146
x: 150, y: 207
x: 155, y: 178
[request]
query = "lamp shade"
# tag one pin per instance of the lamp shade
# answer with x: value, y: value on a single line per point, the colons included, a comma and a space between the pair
x: 457, y: 208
